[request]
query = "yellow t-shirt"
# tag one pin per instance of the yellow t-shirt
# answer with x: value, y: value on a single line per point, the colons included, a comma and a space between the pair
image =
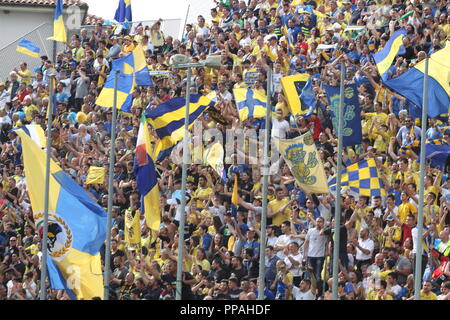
x: 427, y: 296
x: 78, y: 54
x: 404, y: 209
x: 25, y: 76
x: 204, y: 193
x: 279, y: 218
x: 396, y: 235
x: 29, y: 111
x: 387, y: 297
x: 204, y: 264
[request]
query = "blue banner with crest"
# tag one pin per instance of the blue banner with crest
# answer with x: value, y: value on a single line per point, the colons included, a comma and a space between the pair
x: 352, y: 134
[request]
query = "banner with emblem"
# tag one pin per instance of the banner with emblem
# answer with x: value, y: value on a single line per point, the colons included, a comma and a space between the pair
x: 76, y: 226
x: 352, y: 133
x: 132, y: 229
x: 303, y: 160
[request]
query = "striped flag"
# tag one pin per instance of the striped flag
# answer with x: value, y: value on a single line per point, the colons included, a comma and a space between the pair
x: 29, y: 48
x: 147, y: 183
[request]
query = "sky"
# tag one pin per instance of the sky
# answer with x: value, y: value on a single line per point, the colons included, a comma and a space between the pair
x: 148, y: 9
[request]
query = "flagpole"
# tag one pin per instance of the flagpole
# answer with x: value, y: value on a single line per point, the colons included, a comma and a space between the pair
x: 112, y: 154
x: 418, y: 268
x: 44, y: 249
x: 183, y: 188
x: 337, y: 212
x: 262, y: 251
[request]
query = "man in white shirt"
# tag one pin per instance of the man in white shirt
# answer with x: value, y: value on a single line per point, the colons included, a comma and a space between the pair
x: 314, y: 247
x: 293, y: 262
x: 5, y: 120
x: 218, y: 209
x: 271, y: 237
x: 403, y: 135
x: 280, y: 126
x: 5, y: 96
x: 282, y: 245
x: 364, y: 249
x: 307, y: 289
x: 223, y: 93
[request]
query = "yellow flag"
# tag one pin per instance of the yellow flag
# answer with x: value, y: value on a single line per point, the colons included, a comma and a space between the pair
x: 234, y: 195
x: 292, y: 88
x: 96, y: 175
x: 132, y: 229
x: 303, y: 160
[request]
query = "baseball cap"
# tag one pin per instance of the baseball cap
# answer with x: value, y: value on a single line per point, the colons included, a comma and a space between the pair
x: 390, y: 218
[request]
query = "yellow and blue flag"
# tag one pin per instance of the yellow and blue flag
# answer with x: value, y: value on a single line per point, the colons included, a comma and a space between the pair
x: 250, y: 103
x: 141, y: 70
x: 59, y: 30
x: 168, y: 120
x: 125, y: 85
x: 303, y: 160
x: 352, y: 131
x: 29, y: 48
x: 76, y: 228
x: 362, y: 178
x: 410, y: 83
x: 385, y: 56
x: 36, y: 133
x: 123, y: 12
x: 133, y: 72
x: 145, y: 172
x: 292, y: 89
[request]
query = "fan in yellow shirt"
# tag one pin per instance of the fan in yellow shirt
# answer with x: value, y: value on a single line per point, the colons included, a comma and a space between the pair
x: 405, y: 208
x: 278, y: 208
x: 24, y: 73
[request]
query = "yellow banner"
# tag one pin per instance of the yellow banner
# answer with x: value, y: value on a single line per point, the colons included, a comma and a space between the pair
x: 303, y: 160
x: 95, y: 175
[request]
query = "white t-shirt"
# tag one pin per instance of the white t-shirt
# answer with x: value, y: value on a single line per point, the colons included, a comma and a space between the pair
x: 272, y: 241
x: 284, y: 240
x: 396, y: 289
x: 317, y: 243
x: 324, y: 212
x: 365, y: 244
x: 279, y: 128
x: 297, y: 294
x: 220, y: 211
x: 294, y: 270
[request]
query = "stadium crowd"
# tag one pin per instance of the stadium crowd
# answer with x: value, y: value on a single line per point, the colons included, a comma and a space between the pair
x: 378, y: 235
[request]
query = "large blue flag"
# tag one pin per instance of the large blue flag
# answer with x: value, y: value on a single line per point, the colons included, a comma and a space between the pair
x: 76, y: 226
x: 437, y: 152
x: 352, y: 133
x: 123, y: 12
x: 410, y: 83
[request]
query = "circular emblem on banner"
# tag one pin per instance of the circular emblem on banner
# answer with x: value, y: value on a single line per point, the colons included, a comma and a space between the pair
x: 349, y: 92
x: 59, y: 239
x: 308, y: 140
